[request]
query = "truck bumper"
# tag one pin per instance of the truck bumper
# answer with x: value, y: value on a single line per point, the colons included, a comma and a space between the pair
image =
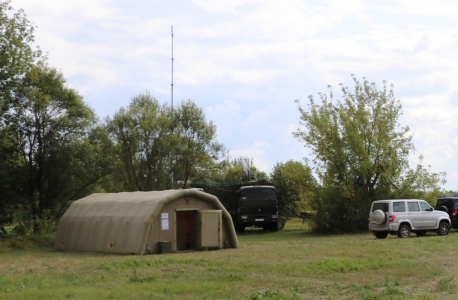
x: 258, y: 219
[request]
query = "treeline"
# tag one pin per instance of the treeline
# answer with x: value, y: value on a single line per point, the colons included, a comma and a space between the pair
x: 54, y: 149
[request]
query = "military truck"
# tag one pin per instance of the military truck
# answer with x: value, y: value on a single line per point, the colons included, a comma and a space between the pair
x: 255, y: 206
x: 249, y: 203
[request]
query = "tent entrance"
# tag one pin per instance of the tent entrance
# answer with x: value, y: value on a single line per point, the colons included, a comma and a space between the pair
x: 186, y: 229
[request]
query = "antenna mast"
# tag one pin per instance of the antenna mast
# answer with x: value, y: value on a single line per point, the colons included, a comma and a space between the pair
x: 172, y: 68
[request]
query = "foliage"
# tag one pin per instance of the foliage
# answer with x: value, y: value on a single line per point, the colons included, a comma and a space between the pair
x: 16, y: 57
x: 419, y: 183
x: 198, y: 150
x: 142, y: 140
x: 16, y: 53
x: 449, y: 193
x: 58, y: 149
x: 295, y: 183
x: 155, y: 147
x: 44, y: 225
x: 11, y: 181
x: 233, y: 172
x: 361, y: 154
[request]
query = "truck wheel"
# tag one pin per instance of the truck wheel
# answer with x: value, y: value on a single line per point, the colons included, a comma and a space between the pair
x: 443, y: 229
x: 274, y: 227
x: 240, y: 227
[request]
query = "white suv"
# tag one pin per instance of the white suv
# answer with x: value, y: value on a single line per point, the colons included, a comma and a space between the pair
x: 403, y: 216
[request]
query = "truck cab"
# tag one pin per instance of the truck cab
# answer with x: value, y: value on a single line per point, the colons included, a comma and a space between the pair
x: 255, y: 206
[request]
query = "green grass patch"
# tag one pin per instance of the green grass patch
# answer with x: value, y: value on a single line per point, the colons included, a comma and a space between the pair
x: 290, y: 264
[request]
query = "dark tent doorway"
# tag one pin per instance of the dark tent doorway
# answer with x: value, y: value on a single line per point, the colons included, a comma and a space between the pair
x: 186, y: 225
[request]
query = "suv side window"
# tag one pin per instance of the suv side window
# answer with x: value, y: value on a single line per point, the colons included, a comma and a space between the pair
x: 399, y: 206
x: 424, y: 206
x: 413, y: 206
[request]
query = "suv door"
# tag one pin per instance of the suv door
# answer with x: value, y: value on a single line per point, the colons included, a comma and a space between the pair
x: 414, y: 214
x: 429, y: 218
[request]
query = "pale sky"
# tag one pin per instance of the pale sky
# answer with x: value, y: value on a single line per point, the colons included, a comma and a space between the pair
x: 245, y: 62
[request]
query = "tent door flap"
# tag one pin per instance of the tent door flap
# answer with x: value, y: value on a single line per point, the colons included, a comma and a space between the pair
x: 209, y: 229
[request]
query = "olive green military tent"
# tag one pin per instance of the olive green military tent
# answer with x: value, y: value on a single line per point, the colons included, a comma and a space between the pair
x: 145, y: 222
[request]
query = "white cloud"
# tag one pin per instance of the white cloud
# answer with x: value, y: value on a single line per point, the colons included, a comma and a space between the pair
x: 247, y: 61
x: 257, y: 151
x: 262, y: 144
x: 222, y: 6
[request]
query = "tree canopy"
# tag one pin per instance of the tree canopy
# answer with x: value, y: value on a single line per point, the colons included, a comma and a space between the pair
x: 295, y: 183
x: 198, y: 150
x: 16, y: 52
x: 155, y: 147
x: 57, y: 152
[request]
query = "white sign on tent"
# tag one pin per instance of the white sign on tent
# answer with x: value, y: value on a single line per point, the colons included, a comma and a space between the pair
x: 165, y: 221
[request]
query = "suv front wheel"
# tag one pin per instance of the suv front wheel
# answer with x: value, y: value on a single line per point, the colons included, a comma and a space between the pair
x: 404, y: 231
x: 443, y: 229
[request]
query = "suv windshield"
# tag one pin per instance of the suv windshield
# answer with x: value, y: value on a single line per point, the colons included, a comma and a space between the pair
x: 265, y: 194
x: 382, y: 206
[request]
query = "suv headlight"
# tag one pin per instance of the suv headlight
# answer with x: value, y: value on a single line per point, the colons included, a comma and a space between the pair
x: 274, y: 216
x: 244, y: 217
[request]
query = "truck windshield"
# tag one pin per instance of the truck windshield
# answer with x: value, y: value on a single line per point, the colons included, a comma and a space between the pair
x: 265, y: 194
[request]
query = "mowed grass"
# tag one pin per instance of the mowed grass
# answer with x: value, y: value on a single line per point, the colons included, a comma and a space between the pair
x: 290, y: 264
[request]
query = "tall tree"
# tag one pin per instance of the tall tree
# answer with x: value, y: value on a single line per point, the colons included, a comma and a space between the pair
x: 199, y: 150
x: 295, y: 183
x: 143, y: 142
x: 360, y: 152
x: 51, y: 126
x: 16, y: 52
x: 155, y: 147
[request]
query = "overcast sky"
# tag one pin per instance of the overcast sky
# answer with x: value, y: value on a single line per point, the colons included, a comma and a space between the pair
x: 245, y: 62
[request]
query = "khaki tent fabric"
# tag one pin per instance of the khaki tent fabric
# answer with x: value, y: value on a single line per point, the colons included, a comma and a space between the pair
x: 122, y: 222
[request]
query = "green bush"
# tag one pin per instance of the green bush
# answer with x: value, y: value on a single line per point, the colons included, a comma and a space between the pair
x: 47, y: 224
x: 26, y: 242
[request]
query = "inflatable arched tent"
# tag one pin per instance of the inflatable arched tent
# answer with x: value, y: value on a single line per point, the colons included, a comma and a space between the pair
x: 145, y: 223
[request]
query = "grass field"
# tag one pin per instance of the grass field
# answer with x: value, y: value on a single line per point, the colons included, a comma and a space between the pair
x: 290, y: 264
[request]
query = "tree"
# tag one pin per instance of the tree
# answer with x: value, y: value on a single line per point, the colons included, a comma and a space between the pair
x: 16, y: 53
x: 198, y: 150
x: 360, y: 153
x: 156, y: 147
x: 11, y: 182
x: 295, y: 183
x: 59, y: 151
x: 143, y: 143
